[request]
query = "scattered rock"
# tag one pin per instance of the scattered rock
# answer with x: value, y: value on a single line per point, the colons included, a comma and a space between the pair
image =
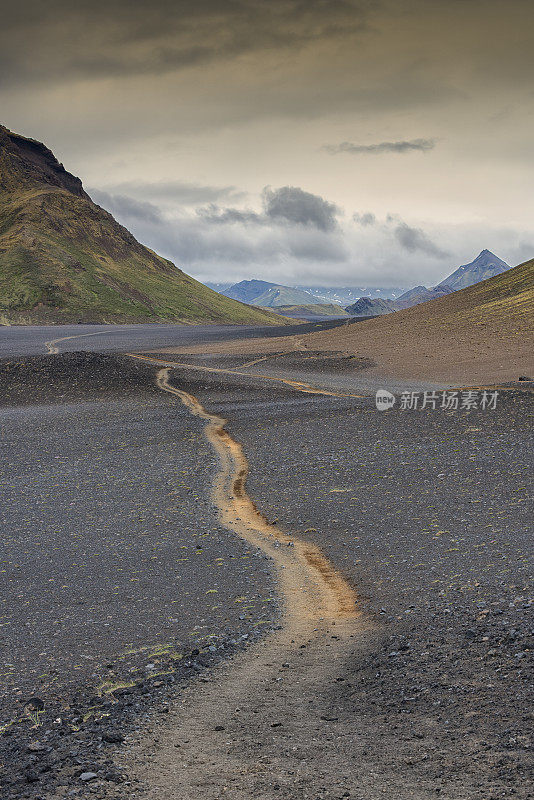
x: 34, y: 704
x: 113, y: 737
x: 88, y: 776
x: 36, y: 747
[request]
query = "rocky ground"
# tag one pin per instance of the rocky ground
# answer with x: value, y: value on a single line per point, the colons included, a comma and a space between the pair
x: 425, y: 512
x: 117, y: 582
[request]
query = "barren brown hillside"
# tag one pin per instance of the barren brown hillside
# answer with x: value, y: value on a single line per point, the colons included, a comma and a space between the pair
x: 478, y: 335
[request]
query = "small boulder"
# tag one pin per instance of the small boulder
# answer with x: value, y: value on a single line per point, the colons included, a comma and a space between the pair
x: 113, y: 737
x: 88, y: 776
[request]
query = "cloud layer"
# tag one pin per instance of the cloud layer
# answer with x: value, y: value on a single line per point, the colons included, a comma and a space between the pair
x: 292, y: 236
x: 300, y: 208
x: 421, y: 145
x: 415, y: 240
x: 110, y: 38
x: 184, y: 115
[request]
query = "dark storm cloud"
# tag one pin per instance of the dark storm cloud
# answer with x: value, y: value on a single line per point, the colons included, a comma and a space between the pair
x: 416, y: 240
x: 136, y: 69
x: 294, y: 225
x: 118, y: 70
x: 108, y: 38
x: 288, y: 205
x: 132, y: 37
x: 421, y: 145
x: 299, y: 207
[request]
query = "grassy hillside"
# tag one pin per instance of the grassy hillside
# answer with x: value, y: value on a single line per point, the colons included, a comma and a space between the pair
x: 63, y: 258
x: 509, y: 295
x: 314, y: 309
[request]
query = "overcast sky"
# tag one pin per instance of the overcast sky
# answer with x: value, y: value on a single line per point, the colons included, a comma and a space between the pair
x: 301, y: 141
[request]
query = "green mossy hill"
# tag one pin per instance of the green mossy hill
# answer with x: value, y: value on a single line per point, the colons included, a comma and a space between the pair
x: 314, y: 309
x: 64, y: 259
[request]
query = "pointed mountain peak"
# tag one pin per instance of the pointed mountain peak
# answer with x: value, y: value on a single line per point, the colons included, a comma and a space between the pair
x: 487, y: 254
x: 484, y: 266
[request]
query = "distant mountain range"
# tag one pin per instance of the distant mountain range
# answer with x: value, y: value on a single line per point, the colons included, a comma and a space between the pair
x: 480, y: 335
x: 339, y: 295
x: 360, y: 301
x: 63, y: 258
x: 485, y: 265
x: 268, y: 295
x: 344, y: 295
x: 371, y: 306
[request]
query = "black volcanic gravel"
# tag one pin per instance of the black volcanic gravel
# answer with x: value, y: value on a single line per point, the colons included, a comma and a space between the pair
x: 426, y: 513
x: 114, y: 568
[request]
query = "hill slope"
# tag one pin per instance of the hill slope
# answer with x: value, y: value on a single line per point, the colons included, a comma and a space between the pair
x: 311, y: 310
x: 483, y: 333
x: 485, y: 265
x: 63, y: 258
x: 479, y: 335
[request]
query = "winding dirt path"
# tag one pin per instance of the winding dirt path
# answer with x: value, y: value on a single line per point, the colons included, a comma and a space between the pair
x: 309, y: 580
x: 301, y: 387
x: 52, y: 348
x: 260, y: 727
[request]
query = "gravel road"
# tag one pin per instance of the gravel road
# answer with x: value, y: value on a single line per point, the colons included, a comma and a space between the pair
x: 18, y: 340
x: 428, y: 514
